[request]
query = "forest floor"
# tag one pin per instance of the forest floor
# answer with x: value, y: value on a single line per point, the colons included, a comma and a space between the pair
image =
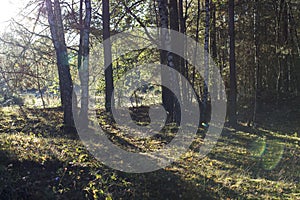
x: 38, y: 161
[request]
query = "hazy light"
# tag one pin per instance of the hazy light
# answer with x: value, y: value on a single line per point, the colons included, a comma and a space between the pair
x: 9, y: 9
x: 269, y: 152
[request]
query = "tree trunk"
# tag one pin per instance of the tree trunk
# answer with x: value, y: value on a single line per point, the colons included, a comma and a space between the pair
x: 206, y: 64
x: 109, y: 85
x: 233, y: 87
x: 165, y: 58
x: 39, y: 86
x: 294, y: 53
x: 174, y: 60
x: 197, y: 40
x: 84, y: 61
x: 256, y: 62
x: 184, y: 69
x: 65, y: 80
x: 213, y: 50
x: 213, y: 31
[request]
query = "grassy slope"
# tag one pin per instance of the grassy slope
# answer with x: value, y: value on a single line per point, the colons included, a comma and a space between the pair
x: 38, y: 162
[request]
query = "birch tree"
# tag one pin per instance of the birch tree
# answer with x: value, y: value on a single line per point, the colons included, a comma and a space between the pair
x: 83, y: 59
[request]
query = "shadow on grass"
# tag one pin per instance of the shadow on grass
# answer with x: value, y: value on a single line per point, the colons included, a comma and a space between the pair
x: 58, y: 180
x: 276, y: 160
x: 164, y: 184
x: 25, y: 179
x: 55, y: 179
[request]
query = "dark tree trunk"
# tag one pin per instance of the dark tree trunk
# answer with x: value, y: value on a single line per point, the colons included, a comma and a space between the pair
x: 285, y: 42
x: 294, y: 53
x: 197, y: 40
x: 206, y: 64
x: 213, y: 49
x: 184, y: 68
x: 213, y: 31
x: 174, y: 60
x: 233, y: 87
x: 65, y: 80
x: 109, y: 85
x: 257, y: 81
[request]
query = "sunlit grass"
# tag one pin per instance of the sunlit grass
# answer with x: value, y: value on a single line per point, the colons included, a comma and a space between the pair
x: 242, y: 165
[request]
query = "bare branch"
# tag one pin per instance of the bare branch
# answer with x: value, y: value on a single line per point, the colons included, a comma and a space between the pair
x: 139, y: 21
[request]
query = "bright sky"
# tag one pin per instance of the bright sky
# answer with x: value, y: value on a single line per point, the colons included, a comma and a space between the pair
x: 9, y: 9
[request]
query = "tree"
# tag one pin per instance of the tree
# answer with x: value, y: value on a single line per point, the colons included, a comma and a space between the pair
x: 206, y: 63
x: 58, y: 38
x: 167, y: 99
x: 213, y: 34
x: 174, y: 61
x: 83, y: 59
x: 109, y: 86
x: 256, y: 60
x: 233, y: 87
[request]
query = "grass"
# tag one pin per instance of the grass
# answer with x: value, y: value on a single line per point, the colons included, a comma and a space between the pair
x: 38, y: 161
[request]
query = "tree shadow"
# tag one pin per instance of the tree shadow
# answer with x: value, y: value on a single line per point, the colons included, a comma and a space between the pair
x: 54, y: 179
x: 25, y: 179
x: 275, y: 160
x: 165, y: 184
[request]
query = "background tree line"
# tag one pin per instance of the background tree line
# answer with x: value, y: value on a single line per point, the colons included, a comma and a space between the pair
x: 254, y: 43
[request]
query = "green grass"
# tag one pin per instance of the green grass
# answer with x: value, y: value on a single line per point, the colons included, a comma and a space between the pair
x: 37, y: 161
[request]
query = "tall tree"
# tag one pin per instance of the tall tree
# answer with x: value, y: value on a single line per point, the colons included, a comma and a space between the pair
x: 167, y: 99
x: 256, y: 60
x: 197, y: 40
x: 184, y: 68
x: 233, y: 86
x: 83, y: 59
x: 213, y: 31
x: 58, y: 38
x: 107, y: 56
x: 174, y: 60
x: 168, y: 58
x: 206, y: 63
